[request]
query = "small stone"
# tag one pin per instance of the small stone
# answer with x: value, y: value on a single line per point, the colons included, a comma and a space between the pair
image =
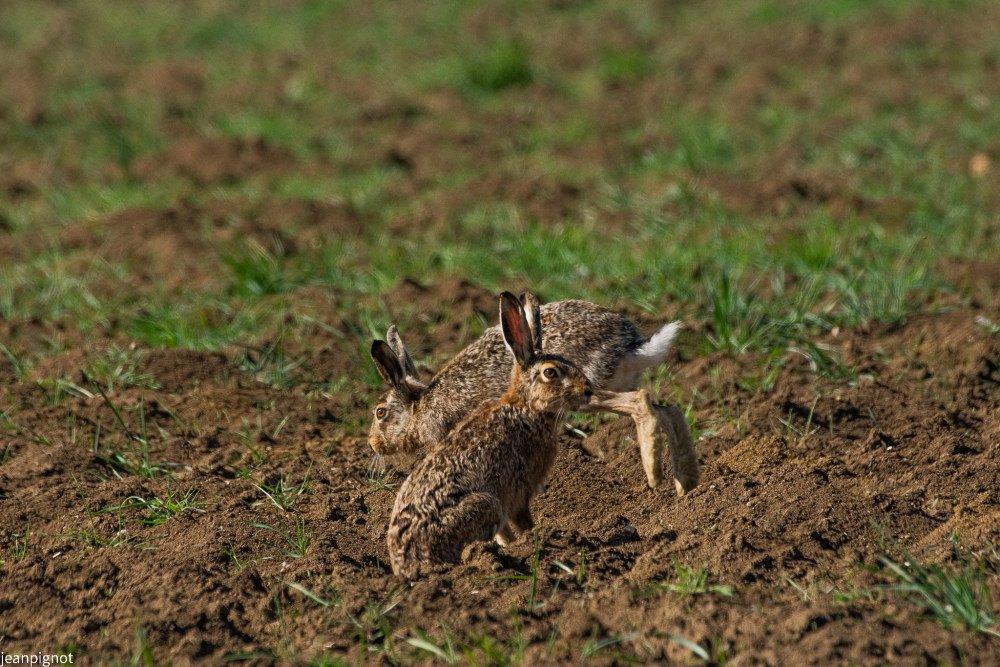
x: 979, y: 165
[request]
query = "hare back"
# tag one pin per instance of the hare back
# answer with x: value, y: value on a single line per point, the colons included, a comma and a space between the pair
x: 594, y: 338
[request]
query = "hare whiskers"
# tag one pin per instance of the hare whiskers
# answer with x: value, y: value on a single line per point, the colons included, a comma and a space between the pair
x: 376, y: 466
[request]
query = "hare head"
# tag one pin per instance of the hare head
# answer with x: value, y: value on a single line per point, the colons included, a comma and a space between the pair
x: 543, y: 382
x: 394, y: 408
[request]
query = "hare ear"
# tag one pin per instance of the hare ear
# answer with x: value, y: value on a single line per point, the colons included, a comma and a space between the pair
x: 396, y: 345
x: 392, y: 371
x: 387, y: 364
x: 516, y: 333
x: 533, y: 314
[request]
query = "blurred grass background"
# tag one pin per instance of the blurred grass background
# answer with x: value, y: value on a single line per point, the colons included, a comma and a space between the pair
x: 774, y: 169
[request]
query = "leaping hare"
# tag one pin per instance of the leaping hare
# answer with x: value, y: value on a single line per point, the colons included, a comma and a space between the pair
x: 603, y: 344
x: 479, y: 482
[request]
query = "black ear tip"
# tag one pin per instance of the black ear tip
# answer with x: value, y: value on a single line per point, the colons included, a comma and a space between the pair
x: 378, y: 345
x: 509, y: 298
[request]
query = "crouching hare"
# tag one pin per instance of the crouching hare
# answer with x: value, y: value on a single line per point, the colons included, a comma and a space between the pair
x: 603, y: 344
x: 478, y: 483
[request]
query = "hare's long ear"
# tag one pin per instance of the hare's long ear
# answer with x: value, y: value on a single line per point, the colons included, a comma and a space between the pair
x: 396, y: 345
x: 533, y: 314
x: 392, y: 371
x: 516, y: 332
x: 387, y: 363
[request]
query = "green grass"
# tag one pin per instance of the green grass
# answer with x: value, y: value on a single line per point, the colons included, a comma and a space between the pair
x: 956, y: 596
x: 373, y: 628
x: 10, y: 429
x: 477, y: 648
x: 256, y: 272
x: 594, y: 647
x: 332, y: 598
x: 503, y: 65
x: 445, y: 651
x: 96, y: 537
x: 18, y: 548
x: 688, y: 582
x: 18, y: 365
x: 159, y: 510
x: 579, y: 572
x: 269, y: 364
x: 118, y: 368
x: 142, y: 651
x: 196, y: 324
x: 283, y: 494
x: 622, y: 66
x: 133, y: 456
x: 295, y: 537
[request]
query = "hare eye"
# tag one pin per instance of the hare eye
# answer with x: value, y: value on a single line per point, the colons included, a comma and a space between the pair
x: 380, y: 413
x: 550, y: 373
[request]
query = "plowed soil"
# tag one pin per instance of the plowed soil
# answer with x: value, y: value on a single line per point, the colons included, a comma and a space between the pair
x: 812, y: 485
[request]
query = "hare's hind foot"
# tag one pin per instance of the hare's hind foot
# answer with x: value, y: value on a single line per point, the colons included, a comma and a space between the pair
x: 683, y: 457
x: 637, y: 405
x: 656, y: 426
x: 505, y: 535
x: 520, y: 522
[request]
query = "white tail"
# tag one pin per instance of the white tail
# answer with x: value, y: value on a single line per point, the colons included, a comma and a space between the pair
x: 654, y: 351
x: 649, y: 354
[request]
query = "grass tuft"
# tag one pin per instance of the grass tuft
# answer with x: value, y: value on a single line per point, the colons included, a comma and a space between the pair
x: 135, y: 460
x: 284, y: 494
x: 956, y: 597
x: 256, y: 271
x: 118, y: 368
x: 159, y: 510
x: 688, y: 582
x: 502, y: 66
x: 296, y: 538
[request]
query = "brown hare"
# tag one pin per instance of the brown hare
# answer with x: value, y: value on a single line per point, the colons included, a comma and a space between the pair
x: 606, y: 346
x: 479, y: 482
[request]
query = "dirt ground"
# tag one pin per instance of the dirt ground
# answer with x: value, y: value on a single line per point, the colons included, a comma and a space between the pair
x: 805, y: 487
x: 909, y: 455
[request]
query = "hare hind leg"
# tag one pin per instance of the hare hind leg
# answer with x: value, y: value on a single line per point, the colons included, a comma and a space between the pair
x: 519, y: 522
x: 637, y: 405
x: 478, y: 517
x: 683, y: 457
x: 654, y: 425
x: 505, y: 535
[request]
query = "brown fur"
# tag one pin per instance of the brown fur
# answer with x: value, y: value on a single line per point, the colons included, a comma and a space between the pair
x: 480, y: 481
x: 604, y: 345
x: 594, y: 338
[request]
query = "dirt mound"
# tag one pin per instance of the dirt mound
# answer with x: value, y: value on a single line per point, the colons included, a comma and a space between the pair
x: 178, y: 247
x: 754, y: 456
